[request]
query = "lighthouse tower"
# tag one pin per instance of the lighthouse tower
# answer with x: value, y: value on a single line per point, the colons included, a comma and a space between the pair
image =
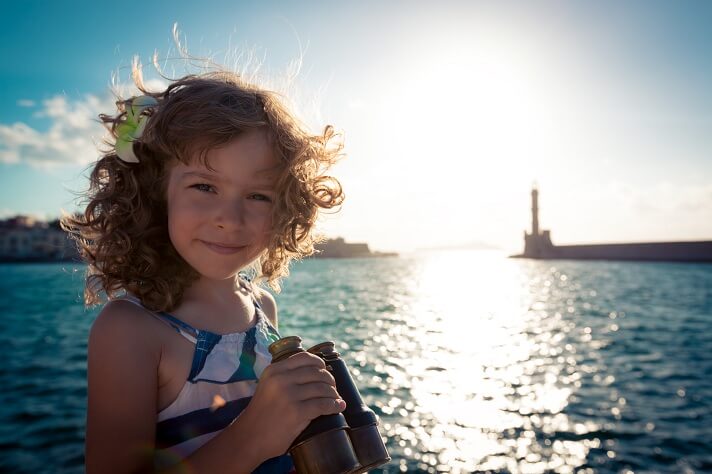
x: 535, y: 211
x: 538, y: 243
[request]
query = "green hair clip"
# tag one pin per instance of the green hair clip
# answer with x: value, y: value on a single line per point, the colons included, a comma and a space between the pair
x: 132, y: 128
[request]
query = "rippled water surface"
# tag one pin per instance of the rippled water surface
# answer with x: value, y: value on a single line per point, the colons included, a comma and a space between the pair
x: 474, y: 362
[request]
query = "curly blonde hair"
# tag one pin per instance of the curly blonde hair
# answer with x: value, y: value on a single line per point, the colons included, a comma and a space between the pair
x: 123, y: 232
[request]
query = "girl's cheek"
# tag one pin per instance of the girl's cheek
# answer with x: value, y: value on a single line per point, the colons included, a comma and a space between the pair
x: 196, y: 205
x: 184, y: 211
x: 267, y: 221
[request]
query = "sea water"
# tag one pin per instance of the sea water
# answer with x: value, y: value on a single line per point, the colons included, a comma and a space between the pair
x: 473, y: 362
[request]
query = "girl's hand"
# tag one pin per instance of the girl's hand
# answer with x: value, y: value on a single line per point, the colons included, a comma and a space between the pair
x: 290, y: 394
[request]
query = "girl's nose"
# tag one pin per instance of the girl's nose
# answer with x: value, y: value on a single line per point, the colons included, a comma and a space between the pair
x: 231, y: 215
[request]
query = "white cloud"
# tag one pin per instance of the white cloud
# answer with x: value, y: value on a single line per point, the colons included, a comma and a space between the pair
x: 662, y: 198
x: 26, y: 103
x: 6, y: 213
x: 74, y: 133
x: 70, y: 139
x: 623, y: 211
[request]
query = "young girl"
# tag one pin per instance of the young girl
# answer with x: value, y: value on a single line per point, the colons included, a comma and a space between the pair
x: 208, y: 178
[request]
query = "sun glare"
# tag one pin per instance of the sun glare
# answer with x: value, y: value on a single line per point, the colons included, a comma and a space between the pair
x: 479, y: 355
x: 481, y: 105
x: 455, y: 138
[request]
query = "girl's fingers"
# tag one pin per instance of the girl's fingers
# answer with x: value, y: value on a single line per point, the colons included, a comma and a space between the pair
x: 322, y: 406
x: 299, y: 375
x: 304, y: 375
x: 315, y: 391
x: 300, y: 359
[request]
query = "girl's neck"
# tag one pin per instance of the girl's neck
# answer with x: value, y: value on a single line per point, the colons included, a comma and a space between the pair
x: 215, y: 293
x: 220, y: 306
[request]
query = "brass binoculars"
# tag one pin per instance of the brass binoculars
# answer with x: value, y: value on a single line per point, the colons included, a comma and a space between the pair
x: 348, y: 442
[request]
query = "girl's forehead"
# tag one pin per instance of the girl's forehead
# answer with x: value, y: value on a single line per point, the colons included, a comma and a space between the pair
x: 199, y: 170
x: 226, y: 167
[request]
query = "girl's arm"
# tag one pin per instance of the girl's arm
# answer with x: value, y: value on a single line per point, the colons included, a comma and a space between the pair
x: 122, y: 384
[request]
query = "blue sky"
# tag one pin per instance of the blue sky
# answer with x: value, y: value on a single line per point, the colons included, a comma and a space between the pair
x: 450, y: 110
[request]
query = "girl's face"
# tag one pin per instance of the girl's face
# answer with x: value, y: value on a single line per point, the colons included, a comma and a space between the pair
x: 220, y: 221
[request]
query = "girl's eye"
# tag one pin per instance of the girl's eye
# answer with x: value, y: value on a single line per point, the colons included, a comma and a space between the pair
x: 260, y: 197
x: 202, y: 187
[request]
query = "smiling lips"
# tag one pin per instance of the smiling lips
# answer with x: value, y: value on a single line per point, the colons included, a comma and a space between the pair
x: 223, y: 249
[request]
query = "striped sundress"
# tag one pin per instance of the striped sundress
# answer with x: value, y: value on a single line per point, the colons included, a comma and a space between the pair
x: 223, y: 377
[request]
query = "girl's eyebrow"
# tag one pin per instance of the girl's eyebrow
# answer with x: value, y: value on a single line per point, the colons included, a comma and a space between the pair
x: 267, y: 173
x: 201, y: 174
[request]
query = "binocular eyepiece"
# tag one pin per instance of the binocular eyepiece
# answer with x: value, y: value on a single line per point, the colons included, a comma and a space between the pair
x: 345, y: 443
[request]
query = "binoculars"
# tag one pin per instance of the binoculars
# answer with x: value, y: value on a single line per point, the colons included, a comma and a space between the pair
x: 346, y: 443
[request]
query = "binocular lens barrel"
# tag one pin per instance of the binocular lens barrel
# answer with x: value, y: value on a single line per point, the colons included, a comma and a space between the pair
x: 324, y: 446
x: 363, y: 423
x: 346, y: 443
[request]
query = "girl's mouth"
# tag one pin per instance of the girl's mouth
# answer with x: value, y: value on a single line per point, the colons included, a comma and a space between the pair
x: 222, y: 249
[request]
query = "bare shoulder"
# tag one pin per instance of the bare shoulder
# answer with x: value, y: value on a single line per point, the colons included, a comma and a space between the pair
x: 267, y: 303
x: 122, y: 337
x: 121, y: 322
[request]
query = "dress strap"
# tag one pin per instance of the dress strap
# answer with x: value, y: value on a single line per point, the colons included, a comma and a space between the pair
x: 184, y: 329
x: 246, y: 283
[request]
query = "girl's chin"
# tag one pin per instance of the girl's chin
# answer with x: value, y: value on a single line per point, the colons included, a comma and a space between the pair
x: 209, y: 274
x: 214, y: 266
x: 219, y: 270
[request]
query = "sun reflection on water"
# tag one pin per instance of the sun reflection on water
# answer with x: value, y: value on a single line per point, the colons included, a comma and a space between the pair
x: 478, y: 367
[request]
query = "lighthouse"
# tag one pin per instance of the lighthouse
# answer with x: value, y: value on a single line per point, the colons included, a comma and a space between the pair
x: 538, y: 243
x: 535, y: 211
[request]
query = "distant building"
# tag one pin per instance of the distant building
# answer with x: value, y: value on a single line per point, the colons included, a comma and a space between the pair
x: 537, y: 244
x: 338, y: 248
x: 24, y: 238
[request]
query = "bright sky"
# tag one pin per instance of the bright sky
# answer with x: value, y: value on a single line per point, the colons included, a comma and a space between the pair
x: 450, y: 110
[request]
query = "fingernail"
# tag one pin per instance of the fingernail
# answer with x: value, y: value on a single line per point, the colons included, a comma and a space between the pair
x: 341, y: 403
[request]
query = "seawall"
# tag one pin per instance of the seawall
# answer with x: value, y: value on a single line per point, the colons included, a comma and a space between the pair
x: 699, y: 251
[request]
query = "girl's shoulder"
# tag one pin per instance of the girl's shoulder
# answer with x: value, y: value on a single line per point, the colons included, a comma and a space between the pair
x: 123, y: 322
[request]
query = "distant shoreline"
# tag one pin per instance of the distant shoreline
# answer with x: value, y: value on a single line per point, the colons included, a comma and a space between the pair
x: 40, y: 260
x: 538, y: 246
